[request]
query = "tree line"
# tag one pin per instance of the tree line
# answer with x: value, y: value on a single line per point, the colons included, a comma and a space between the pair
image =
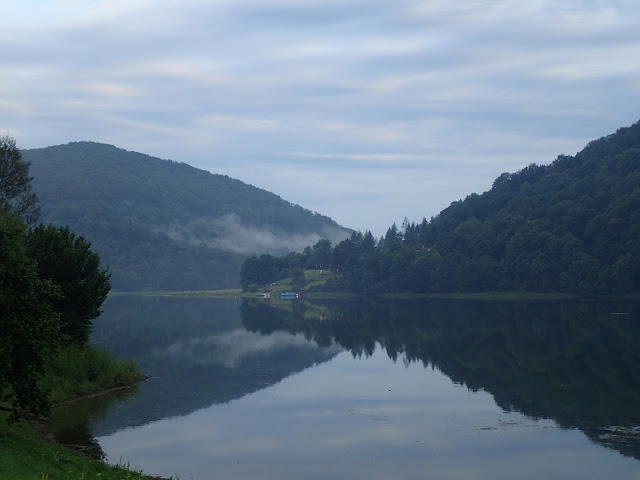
x: 51, y: 288
x: 572, y: 226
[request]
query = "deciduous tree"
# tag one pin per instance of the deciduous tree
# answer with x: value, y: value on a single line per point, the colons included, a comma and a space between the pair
x: 15, y: 182
x: 29, y: 325
x: 68, y: 261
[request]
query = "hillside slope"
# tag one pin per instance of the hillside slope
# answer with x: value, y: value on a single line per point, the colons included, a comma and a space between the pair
x: 572, y: 226
x: 161, y: 224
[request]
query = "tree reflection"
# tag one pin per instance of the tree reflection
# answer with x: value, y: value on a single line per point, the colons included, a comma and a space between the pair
x: 573, y: 362
x: 70, y: 423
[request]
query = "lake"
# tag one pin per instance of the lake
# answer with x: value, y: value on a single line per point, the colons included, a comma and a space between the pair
x: 379, y: 389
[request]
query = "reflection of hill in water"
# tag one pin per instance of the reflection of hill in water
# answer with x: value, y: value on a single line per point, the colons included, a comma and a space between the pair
x: 198, y: 353
x: 573, y: 362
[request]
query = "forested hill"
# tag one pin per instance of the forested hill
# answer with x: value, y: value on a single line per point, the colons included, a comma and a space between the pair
x: 570, y: 226
x: 161, y: 224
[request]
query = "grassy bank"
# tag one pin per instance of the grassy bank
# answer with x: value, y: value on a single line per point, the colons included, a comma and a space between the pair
x: 78, y: 371
x: 27, y: 454
x: 27, y: 451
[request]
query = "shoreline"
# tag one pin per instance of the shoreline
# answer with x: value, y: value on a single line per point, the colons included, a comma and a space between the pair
x: 142, y: 379
x: 93, y: 452
x: 311, y: 294
x: 33, y: 434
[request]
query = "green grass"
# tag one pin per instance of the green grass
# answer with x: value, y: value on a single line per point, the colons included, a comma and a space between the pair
x: 27, y: 451
x: 226, y: 293
x: 78, y: 371
x: 26, y: 454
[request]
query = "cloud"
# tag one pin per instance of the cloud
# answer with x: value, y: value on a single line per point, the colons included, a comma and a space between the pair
x: 382, y: 158
x: 233, y: 85
x: 112, y: 89
x: 239, y: 123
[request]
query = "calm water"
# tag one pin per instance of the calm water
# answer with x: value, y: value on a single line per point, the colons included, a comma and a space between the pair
x: 371, y: 390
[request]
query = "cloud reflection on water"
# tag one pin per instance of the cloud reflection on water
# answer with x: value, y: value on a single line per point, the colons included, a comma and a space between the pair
x: 364, y: 418
x: 231, y: 348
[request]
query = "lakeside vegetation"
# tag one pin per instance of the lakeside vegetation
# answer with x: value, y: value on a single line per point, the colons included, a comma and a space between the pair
x: 51, y: 288
x: 27, y: 454
x: 81, y: 370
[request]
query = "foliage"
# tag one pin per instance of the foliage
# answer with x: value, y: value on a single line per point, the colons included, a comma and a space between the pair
x: 572, y: 226
x: 165, y: 225
x: 68, y: 261
x: 79, y: 370
x: 267, y: 268
x: 297, y: 278
x: 15, y: 182
x: 261, y: 270
x: 29, y: 325
x: 51, y: 288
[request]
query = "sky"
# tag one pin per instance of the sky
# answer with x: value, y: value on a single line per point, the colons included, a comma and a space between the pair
x: 366, y: 111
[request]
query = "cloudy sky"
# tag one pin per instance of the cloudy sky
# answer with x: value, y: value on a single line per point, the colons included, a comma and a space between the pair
x: 364, y: 110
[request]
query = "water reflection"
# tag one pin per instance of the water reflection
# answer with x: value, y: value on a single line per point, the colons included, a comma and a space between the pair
x: 70, y: 423
x: 474, y: 389
x: 573, y: 362
x: 198, y: 354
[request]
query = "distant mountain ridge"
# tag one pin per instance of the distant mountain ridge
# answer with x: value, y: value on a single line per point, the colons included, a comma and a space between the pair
x: 161, y: 224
